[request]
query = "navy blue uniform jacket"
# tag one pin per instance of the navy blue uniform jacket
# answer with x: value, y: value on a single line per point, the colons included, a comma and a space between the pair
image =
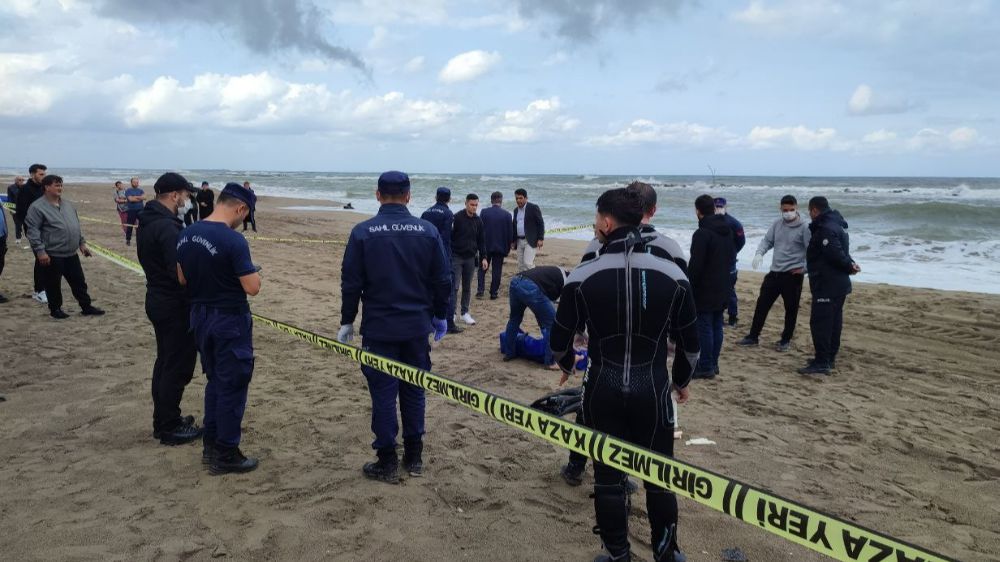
x: 499, y: 227
x: 395, y: 264
x: 441, y: 217
x: 828, y: 256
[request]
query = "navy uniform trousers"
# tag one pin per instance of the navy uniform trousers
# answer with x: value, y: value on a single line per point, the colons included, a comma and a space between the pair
x: 225, y: 343
x: 385, y: 388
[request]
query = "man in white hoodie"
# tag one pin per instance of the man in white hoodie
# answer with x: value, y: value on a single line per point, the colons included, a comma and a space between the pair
x: 789, y: 236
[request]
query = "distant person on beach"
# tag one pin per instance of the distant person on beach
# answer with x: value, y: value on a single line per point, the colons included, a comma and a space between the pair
x: 213, y: 263
x: 529, y: 230
x: 395, y: 265
x: 443, y: 219
x: 4, y: 231
x: 739, y: 240
x: 251, y: 218
x: 13, y: 190
x: 468, y: 253
x: 206, y: 201
x: 789, y: 236
x: 830, y: 267
x: 711, y: 261
x: 135, y: 197
x: 121, y: 205
x: 31, y: 192
x: 55, y: 237
x: 630, y: 303
x: 537, y: 289
x: 168, y: 309
x: 499, y: 230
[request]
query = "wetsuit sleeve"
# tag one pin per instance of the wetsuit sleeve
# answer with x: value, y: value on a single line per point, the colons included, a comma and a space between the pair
x: 739, y: 237
x: 833, y: 250
x: 767, y: 242
x: 352, y: 280
x: 698, y: 251
x: 591, y: 251
x: 571, y: 318
x: 441, y: 275
x: 684, y: 332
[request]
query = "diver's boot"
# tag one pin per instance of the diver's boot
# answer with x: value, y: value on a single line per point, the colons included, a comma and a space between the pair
x: 611, y: 505
x: 413, y: 462
x: 662, y: 508
x: 386, y: 468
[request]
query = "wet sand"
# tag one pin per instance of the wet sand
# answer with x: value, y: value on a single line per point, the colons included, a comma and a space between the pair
x: 903, y: 438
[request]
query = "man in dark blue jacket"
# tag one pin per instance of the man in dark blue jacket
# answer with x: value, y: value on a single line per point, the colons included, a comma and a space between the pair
x: 830, y: 266
x: 711, y: 259
x: 498, y: 226
x: 441, y: 216
x: 395, y: 264
x: 739, y: 240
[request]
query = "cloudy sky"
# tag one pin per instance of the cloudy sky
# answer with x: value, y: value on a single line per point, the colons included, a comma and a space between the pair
x: 797, y: 87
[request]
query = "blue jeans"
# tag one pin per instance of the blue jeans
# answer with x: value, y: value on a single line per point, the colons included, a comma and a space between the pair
x: 385, y: 388
x: 733, y: 301
x: 225, y: 342
x: 710, y: 336
x: 524, y: 293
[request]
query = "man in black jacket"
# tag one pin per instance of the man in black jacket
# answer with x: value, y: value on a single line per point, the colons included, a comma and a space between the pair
x: 206, y: 201
x: 31, y: 192
x: 468, y: 250
x: 830, y: 266
x: 529, y: 230
x: 168, y: 308
x: 13, y: 190
x: 499, y: 231
x: 712, y: 253
x: 631, y: 302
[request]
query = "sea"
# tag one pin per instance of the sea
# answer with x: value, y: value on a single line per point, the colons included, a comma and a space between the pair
x: 941, y: 233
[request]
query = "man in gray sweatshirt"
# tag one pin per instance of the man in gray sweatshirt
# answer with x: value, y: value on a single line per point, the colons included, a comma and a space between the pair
x: 789, y: 236
x: 55, y: 237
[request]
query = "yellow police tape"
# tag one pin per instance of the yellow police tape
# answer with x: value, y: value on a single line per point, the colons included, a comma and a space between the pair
x: 823, y: 533
x: 303, y: 240
x: 568, y: 229
x: 102, y: 221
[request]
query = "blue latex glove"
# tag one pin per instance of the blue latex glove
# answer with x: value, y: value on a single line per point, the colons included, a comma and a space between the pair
x: 440, y: 326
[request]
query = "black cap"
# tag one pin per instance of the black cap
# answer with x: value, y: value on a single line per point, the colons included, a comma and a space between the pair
x: 237, y: 191
x: 393, y: 183
x: 170, y: 182
x: 204, y: 183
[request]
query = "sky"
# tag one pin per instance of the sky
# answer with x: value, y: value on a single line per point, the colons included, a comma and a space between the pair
x: 748, y: 87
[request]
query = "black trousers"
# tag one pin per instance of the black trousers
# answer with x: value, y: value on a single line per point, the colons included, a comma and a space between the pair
x: 133, y: 219
x: 3, y: 250
x: 176, y: 351
x: 495, y: 264
x: 53, y: 274
x: 638, y: 411
x: 39, y: 274
x: 251, y: 220
x: 19, y: 228
x: 826, y: 322
x: 789, y: 287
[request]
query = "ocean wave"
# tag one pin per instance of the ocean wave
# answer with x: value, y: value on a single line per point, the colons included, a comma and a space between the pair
x: 503, y: 178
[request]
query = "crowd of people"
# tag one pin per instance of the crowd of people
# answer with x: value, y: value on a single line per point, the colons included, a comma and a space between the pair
x: 631, y: 303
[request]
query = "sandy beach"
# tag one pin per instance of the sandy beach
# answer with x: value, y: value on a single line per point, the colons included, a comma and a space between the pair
x: 903, y: 438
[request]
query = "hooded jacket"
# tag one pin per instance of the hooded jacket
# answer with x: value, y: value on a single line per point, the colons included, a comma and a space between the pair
x: 828, y: 256
x: 156, y: 245
x: 712, y: 254
x: 789, y: 240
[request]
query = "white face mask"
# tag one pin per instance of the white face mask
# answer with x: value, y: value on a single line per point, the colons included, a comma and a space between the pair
x: 789, y: 215
x: 720, y: 210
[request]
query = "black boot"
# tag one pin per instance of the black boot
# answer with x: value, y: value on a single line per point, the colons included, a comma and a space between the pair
x: 412, y: 459
x: 385, y: 469
x: 662, y: 508
x: 207, y: 448
x: 611, y: 505
x: 230, y: 459
x: 572, y: 473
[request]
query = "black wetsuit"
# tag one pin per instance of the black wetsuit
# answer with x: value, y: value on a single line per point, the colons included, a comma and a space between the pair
x: 631, y: 299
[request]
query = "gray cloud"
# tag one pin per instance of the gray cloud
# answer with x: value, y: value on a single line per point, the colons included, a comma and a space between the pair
x: 582, y: 21
x: 264, y: 26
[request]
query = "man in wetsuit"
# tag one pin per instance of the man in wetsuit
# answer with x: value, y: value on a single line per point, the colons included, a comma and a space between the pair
x: 630, y: 301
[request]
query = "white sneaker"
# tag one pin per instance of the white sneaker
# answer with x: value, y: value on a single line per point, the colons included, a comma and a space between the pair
x: 468, y: 319
x: 40, y: 297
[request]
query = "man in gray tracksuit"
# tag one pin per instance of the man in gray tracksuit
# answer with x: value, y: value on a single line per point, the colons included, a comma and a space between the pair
x: 789, y: 236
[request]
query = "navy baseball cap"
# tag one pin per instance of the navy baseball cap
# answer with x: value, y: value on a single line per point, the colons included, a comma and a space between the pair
x: 444, y: 191
x: 393, y: 183
x: 170, y: 182
x: 720, y: 201
x: 237, y: 191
